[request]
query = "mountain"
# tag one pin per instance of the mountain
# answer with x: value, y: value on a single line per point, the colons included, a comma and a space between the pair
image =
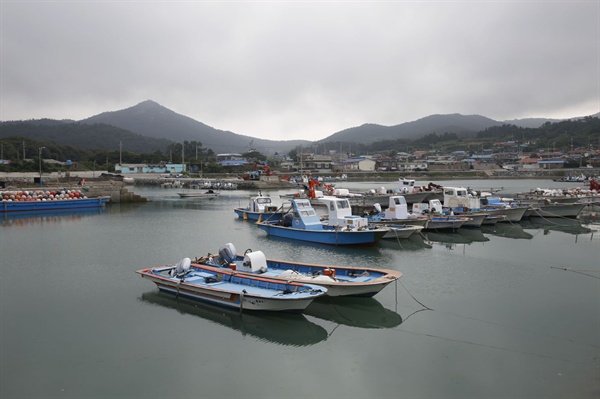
x: 148, y: 127
x: 440, y: 124
x: 95, y: 136
x: 151, y: 119
x: 533, y: 123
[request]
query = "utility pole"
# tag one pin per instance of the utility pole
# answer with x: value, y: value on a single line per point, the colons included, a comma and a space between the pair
x: 120, y: 153
x: 182, y: 156
x: 40, y: 158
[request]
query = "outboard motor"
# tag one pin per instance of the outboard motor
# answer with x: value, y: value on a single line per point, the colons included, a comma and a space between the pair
x: 182, y: 267
x: 227, y: 254
x: 287, y: 219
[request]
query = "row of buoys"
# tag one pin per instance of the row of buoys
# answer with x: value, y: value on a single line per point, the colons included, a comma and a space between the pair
x: 41, y: 195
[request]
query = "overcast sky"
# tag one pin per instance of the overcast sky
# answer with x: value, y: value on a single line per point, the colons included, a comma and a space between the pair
x: 304, y: 69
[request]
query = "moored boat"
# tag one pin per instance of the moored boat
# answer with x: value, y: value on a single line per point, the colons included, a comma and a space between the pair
x: 302, y: 223
x: 339, y: 214
x: 445, y: 222
x: 43, y: 201
x: 260, y: 207
x: 199, y: 194
x: 230, y: 289
x: 396, y: 214
x: 555, y: 210
x: 338, y: 280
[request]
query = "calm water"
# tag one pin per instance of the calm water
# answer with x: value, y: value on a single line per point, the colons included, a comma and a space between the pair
x: 477, y: 314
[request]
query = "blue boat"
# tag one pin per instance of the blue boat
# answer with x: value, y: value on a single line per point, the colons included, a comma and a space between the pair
x: 52, y: 205
x: 259, y: 207
x: 302, y: 223
x: 363, y: 281
x: 227, y: 288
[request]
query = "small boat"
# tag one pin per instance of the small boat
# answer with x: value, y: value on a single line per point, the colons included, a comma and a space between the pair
x: 260, y: 207
x: 445, y: 222
x: 227, y: 288
x: 555, y: 210
x: 463, y: 202
x: 337, y: 280
x: 32, y: 201
x: 199, y: 194
x: 339, y: 214
x: 302, y: 223
x: 440, y: 219
x: 396, y: 214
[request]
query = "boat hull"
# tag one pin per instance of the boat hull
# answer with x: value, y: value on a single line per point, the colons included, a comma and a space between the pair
x: 198, y: 195
x: 230, y: 290
x: 556, y: 210
x: 39, y: 206
x: 445, y: 223
x: 249, y: 215
x: 325, y: 236
x: 511, y: 214
x: 348, y: 281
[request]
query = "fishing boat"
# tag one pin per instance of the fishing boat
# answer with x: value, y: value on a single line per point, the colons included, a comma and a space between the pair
x: 260, y: 207
x: 226, y: 287
x: 339, y: 214
x: 43, y: 201
x: 337, y: 280
x: 463, y: 202
x: 199, y: 194
x: 440, y: 219
x: 395, y: 214
x: 555, y: 210
x: 302, y: 223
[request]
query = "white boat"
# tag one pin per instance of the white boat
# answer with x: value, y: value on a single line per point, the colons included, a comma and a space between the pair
x: 227, y: 288
x: 259, y: 208
x: 462, y: 202
x: 555, y: 210
x: 339, y: 214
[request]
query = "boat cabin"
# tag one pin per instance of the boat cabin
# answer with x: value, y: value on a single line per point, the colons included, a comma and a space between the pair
x: 397, y: 208
x: 304, y: 215
x: 459, y: 197
x: 433, y: 207
x: 340, y: 213
x: 407, y: 186
x: 261, y: 204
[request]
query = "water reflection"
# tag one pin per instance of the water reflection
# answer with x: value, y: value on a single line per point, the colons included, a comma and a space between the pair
x: 507, y: 230
x: 414, y: 242
x: 569, y: 226
x: 56, y: 216
x: 280, y: 328
x: 460, y: 236
x: 354, y: 312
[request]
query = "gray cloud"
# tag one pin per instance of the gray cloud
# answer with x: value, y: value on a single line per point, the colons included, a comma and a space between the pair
x: 286, y: 70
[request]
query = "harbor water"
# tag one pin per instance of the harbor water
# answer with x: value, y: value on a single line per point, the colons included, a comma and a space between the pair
x: 507, y: 311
